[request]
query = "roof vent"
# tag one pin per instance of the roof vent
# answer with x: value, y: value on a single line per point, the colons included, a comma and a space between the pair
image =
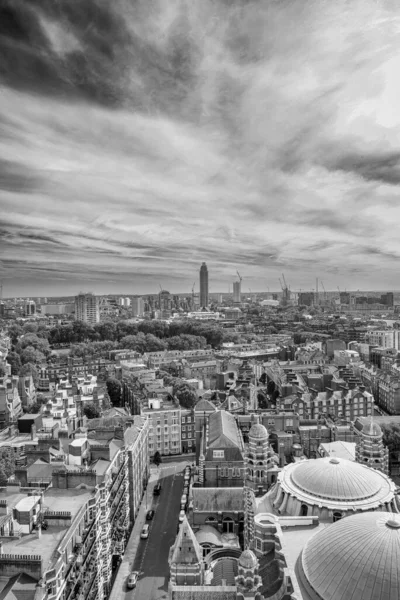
x: 393, y: 524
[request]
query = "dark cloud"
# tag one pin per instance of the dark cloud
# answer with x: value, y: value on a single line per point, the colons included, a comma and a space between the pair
x: 16, y: 177
x: 384, y: 167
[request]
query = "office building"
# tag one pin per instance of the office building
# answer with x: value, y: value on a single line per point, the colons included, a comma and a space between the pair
x: 237, y: 291
x: 165, y: 303
x: 29, y: 308
x: 203, y: 286
x: 87, y: 308
x: 137, y: 307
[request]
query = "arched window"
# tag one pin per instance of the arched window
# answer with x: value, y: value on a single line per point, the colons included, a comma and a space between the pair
x: 304, y: 510
x: 228, y: 525
x: 206, y: 549
x: 211, y: 520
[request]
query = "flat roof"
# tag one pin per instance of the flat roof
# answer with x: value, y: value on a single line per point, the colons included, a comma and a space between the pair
x: 45, y: 546
x: 70, y: 500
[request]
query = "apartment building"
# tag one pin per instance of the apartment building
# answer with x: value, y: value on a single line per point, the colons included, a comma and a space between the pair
x: 10, y: 402
x: 188, y: 430
x: 73, y: 531
x: 87, y: 308
x: 165, y: 426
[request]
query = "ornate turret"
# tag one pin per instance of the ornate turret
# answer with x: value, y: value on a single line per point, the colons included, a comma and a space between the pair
x: 248, y: 580
x: 370, y: 449
x: 258, y: 456
x: 186, y: 558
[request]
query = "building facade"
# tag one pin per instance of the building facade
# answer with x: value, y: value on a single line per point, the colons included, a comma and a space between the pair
x: 87, y: 308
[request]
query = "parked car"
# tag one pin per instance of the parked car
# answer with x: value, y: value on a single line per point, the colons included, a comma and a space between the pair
x: 157, y: 489
x: 181, y: 516
x: 150, y: 515
x: 183, y: 502
x: 145, y: 532
x: 132, y: 580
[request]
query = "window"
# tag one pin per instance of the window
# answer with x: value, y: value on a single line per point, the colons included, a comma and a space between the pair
x: 184, y: 436
x: 218, y: 454
x: 183, y: 419
x: 183, y: 427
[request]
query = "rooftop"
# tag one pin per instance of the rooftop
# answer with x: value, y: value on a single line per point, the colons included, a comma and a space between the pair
x: 217, y: 499
x: 31, y: 544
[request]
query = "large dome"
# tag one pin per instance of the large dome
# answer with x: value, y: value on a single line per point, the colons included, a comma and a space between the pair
x: 258, y: 431
x: 336, y: 479
x: 357, y: 557
x: 332, y: 484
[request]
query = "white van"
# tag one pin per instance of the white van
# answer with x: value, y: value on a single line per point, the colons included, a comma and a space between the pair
x: 145, y: 532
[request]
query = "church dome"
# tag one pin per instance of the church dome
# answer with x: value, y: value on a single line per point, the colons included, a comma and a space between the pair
x: 372, y: 429
x: 357, y: 557
x: 258, y: 431
x: 336, y: 479
x: 248, y: 559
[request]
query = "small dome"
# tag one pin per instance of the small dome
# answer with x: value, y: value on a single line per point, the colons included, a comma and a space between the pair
x: 248, y: 559
x: 357, y: 557
x: 258, y: 431
x: 372, y: 429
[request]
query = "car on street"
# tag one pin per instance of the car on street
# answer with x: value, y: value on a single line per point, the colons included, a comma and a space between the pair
x: 186, y: 490
x: 132, y: 580
x: 181, y: 516
x: 183, y: 502
x: 157, y: 489
x: 145, y: 532
x: 150, y: 515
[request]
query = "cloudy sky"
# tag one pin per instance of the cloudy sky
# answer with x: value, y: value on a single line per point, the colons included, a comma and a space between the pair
x: 139, y: 138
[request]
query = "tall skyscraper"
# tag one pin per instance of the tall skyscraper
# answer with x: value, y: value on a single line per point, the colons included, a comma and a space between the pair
x: 87, y: 308
x: 237, y: 291
x: 203, y: 286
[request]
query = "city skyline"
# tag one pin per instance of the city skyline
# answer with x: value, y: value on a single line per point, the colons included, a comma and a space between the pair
x: 262, y: 139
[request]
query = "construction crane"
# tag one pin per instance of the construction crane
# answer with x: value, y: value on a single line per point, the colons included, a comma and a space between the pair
x: 323, y: 287
x: 160, y: 287
x: 240, y: 279
x: 194, y: 284
x: 285, y: 290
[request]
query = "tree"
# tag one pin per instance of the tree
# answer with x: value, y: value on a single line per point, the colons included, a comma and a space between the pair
x: 14, y: 361
x: 91, y: 411
x: 114, y: 389
x: 31, y: 355
x: 186, y: 396
x: 15, y: 331
x: 157, y: 458
x: 30, y: 328
x: 106, y: 401
x: 33, y: 408
x: 3, y: 371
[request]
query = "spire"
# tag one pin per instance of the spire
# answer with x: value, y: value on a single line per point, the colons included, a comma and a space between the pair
x: 187, y: 549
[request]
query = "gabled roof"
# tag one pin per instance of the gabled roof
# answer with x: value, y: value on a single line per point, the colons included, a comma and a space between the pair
x: 204, y: 405
x: 223, y: 431
x: 19, y: 587
x: 187, y: 549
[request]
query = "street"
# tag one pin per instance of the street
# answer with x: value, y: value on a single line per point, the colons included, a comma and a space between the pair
x: 151, y: 560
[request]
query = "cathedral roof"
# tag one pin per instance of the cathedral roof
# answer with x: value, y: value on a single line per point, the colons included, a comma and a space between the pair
x: 337, y: 483
x: 187, y: 549
x: 258, y: 431
x: 356, y: 557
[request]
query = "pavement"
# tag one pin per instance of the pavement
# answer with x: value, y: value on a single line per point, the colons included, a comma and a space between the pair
x: 150, y: 557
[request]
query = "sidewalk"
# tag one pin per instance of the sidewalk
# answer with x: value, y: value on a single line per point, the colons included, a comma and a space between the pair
x: 126, y: 565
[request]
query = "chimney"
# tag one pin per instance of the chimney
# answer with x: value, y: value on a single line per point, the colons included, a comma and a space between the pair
x: 1, y: 548
x: 33, y: 432
x: 39, y: 531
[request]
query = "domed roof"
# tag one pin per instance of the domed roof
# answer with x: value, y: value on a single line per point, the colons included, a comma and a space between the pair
x: 356, y: 557
x: 371, y: 428
x: 248, y: 559
x: 258, y: 431
x: 336, y: 479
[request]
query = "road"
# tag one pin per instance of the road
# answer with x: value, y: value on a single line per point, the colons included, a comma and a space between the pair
x: 151, y: 558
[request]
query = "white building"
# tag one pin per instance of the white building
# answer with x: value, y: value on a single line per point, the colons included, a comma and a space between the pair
x: 137, y: 307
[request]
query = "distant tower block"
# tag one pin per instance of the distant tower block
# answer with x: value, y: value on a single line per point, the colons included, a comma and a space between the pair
x: 203, y: 286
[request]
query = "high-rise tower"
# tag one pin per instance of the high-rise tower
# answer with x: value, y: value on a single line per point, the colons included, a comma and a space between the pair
x: 203, y: 286
x: 87, y: 308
